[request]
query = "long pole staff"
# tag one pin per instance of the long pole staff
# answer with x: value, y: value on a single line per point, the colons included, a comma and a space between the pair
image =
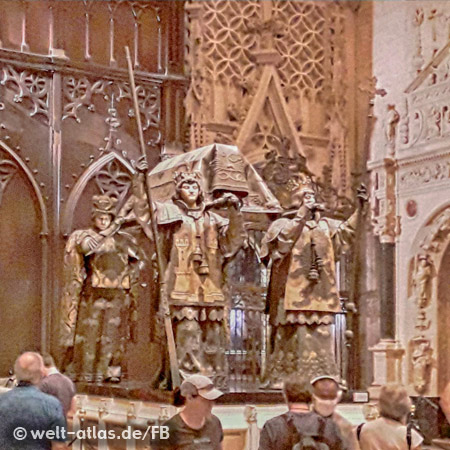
x: 174, y: 371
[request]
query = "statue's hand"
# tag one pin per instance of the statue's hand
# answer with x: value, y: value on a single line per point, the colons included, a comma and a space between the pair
x: 233, y: 200
x: 90, y: 243
x: 303, y: 212
x: 361, y: 195
x: 142, y: 164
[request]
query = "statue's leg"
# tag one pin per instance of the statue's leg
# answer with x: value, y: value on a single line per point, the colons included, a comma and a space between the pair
x: 112, y: 341
x: 88, y: 334
x: 188, y: 336
x: 214, y: 351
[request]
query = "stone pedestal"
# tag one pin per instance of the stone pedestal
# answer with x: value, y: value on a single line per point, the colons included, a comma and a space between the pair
x: 387, y: 364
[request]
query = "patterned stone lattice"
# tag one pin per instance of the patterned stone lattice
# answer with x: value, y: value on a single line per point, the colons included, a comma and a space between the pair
x: 113, y: 180
x: 301, y: 43
x: 229, y: 41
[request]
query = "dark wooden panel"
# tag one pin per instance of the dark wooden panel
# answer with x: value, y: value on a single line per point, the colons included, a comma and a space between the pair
x: 20, y: 271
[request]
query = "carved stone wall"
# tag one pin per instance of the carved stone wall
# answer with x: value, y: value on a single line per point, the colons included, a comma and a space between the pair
x: 67, y: 131
x: 410, y: 172
x: 263, y: 73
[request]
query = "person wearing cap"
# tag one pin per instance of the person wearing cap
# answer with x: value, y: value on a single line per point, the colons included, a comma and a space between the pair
x: 194, y: 427
x: 326, y: 396
x: 302, y: 297
x: 299, y: 425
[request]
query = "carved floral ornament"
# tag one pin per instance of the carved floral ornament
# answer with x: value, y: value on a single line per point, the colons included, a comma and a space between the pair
x: 28, y: 86
x: 80, y: 93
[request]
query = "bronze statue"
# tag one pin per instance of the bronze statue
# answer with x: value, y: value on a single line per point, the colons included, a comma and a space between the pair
x: 302, y: 298
x: 196, y: 243
x: 101, y: 271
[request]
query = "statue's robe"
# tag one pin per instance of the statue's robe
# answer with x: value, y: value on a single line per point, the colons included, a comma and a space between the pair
x: 98, y: 304
x: 302, y: 309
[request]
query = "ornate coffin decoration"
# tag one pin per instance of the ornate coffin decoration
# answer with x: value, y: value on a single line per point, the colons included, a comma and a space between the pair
x: 223, y: 167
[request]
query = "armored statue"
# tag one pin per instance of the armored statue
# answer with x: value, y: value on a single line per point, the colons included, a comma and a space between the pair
x: 196, y: 243
x: 101, y: 272
x: 302, y: 298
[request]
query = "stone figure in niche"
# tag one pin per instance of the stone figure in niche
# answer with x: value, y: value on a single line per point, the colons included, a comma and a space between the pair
x: 422, y: 360
x: 302, y: 298
x: 101, y: 273
x: 196, y: 243
x: 422, y: 280
x: 392, y: 120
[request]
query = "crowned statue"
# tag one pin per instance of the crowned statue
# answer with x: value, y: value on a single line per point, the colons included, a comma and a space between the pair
x: 101, y: 273
x: 195, y: 243
x: 302, y: 298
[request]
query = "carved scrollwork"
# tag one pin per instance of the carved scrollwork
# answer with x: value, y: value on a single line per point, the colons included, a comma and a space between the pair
x: 113, y: 180
x: 80, y: 92
x: 30, y: 86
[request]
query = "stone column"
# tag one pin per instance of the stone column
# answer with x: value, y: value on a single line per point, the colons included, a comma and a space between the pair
x: 387, y: 354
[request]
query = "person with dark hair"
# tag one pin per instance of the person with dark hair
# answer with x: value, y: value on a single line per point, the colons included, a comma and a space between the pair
x: 300, y: 427
x: 58, y: 385
x: 195, y: 427
x: 25, y: 409
x: 389, y: 432
x: 326, y: 396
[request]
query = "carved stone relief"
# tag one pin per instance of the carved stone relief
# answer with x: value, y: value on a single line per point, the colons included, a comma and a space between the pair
x: 28, y: 86
x: 232, y: 47
x: 422, y: 277
x: 80, y: 92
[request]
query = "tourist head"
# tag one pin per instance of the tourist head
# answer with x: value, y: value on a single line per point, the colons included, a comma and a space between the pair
x: 326, y: 394
x: 199, y: 393
x: 49, y: 362
x: 29, y: 367
x: 394, y: 402
x: 296, y: 390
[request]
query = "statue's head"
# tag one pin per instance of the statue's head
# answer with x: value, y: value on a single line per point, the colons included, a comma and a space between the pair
x: 188, y: 188
x: 103, y: 211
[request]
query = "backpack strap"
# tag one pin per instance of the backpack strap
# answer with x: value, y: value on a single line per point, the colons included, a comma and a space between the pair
x: 358, y: 431
x: 409, y: 435
x: 295, y: 435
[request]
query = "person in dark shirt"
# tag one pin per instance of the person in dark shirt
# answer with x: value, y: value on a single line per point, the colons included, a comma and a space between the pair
x: 195, y: 427
x: 284, y: 431
x: 25, y: 410
x: 56, y: 384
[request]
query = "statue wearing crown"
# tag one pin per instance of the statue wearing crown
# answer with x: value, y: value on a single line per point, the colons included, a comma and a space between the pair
x: 302, y: 298
x: 101, y: 272
x: 196, y: 242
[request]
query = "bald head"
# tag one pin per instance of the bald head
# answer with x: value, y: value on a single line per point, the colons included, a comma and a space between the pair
x: 29, y: 367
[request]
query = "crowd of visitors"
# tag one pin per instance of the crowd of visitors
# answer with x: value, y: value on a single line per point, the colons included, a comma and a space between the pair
x: 43, y: 399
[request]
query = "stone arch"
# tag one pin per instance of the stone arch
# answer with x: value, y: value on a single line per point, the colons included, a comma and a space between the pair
x: 25, y: 287
x: 429, y: 358
x: 80, y: 185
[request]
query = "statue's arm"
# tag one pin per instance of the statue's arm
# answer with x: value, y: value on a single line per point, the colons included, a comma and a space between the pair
x: 232, y: 232
x: 281, y: 237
